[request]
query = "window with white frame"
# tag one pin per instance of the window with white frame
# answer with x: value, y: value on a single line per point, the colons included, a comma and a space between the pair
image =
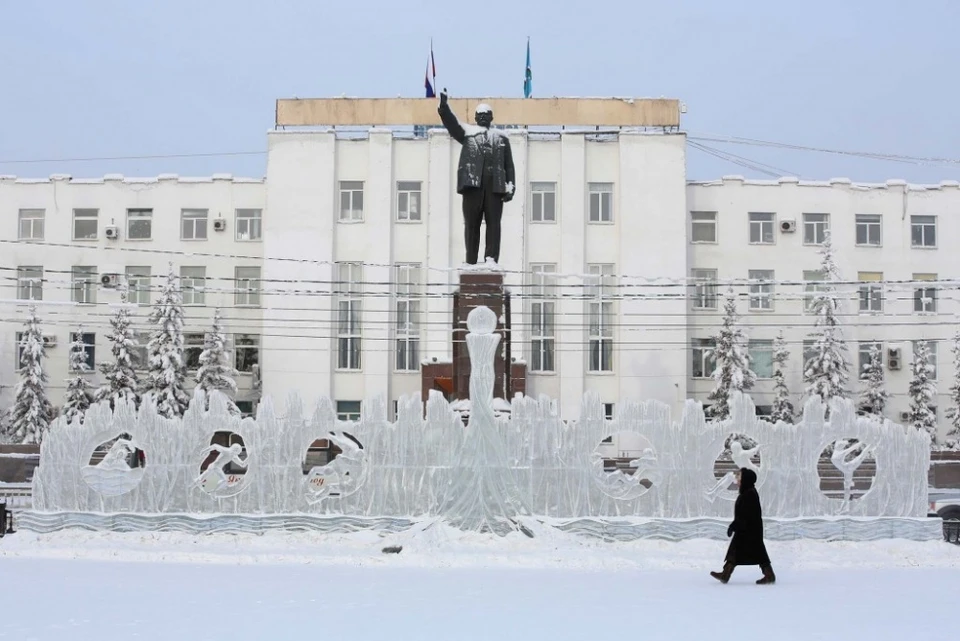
x: 246, y: 352
x: 925, y: 296
x: 249, y: 224
x: 408, y: 318
x: 351, y: 200
x: 863, y: 355
x: 192, y: 348
x: 923, y: 231
x: 704, y: 288
x: 349, y: 296
x: 601, y: 202
x: 138, y: 285
x: 409, y: 200
x: 85, y: 224
x: 89, y: 340
x: 813, y: 285
x: 139, y: 357
x: 30, y: 282
x: 703, y: 359
x: 18, y: 352
x: 542, y: 317
x: 932, y: 350
x: 139, y: 224
x: 815, y: 227
x: 543, y: 202
x: 761, y: 357
x: 703, y: 227
x: 870, y: 291
x: 600, y: 313
x: 761, y: 289
x: 247, y: 284
x: 84, y: 285
x: 193, y: 224
x: 193, y: 285
x: 869, y: 230
x: 31, y: 224
x: 809, y: 351
x: 348, y: 410
x: 761, y: 228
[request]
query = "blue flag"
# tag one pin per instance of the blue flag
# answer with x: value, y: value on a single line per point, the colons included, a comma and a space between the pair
x: 528, y: 77
x: 431, y: 67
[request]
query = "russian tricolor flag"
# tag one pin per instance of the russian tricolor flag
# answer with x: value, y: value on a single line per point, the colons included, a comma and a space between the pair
x: 431, y: 72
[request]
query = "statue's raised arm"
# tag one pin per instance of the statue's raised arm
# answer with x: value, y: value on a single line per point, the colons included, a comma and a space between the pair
x: 449, y: 120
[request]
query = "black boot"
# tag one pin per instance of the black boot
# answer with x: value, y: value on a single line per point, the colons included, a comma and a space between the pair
x: 768, y: 575
x: 723, y: 576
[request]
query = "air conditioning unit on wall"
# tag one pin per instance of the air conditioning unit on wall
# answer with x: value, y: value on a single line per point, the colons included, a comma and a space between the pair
x: 110, y: 281
x: 894, y: 360
x: 49, y: 340
x: 111, y: 232
x: 219, y: 224
x: 788, y: 226
x: 904, y: 417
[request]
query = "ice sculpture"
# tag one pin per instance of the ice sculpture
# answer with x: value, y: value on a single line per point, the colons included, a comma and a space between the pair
x: 844, y: 459
x: 482, y: 477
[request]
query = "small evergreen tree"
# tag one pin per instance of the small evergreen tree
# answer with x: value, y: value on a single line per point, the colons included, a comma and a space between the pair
x: 923, y: 390
x: 120, y: 376
x: 78, y: 397
x: 732, y: 371
x: 167, y: 371
x: 215, y: 372
x: 952, y: 442
x: 32, y: 411
x: 782, y: 407
x: 826, y: 372
x: 873, y: 397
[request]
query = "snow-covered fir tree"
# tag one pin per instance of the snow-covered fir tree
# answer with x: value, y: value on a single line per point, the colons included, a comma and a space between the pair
x: 952, y: 442
x: 78, y: 397
x: 32, y: 411
x: 826, y: 372
x: 732, y: 372
x: 873, y: 397
x: 215, y: 372
x: 166, y: 368
x: 923, y: 390
x: 782, y: 406
x: 120, y: 376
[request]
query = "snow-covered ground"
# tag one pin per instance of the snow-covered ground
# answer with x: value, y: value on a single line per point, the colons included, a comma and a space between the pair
x: 449, y: 585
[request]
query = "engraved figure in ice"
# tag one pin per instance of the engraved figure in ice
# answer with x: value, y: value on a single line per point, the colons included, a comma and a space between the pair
x: 624, y: 486
x: 114, y: 475
x: 215, y: 476
x: 741, y: 459
x: 340, y: 477
x: 841, y: 450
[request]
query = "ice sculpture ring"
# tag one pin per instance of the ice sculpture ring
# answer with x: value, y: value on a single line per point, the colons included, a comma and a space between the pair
x: 481, y: 320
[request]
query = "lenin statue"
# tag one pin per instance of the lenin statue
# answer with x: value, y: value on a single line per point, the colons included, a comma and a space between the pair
x: 485, y: 178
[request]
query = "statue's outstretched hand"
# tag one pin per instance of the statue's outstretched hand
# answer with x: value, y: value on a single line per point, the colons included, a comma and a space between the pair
x: 443, y: 96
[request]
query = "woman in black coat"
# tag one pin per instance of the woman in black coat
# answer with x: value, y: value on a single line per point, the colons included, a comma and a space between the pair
x: 747, y: 546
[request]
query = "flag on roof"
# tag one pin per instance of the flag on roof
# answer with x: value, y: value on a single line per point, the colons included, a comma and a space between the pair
x: 528, y: 77
x: 431, y: 72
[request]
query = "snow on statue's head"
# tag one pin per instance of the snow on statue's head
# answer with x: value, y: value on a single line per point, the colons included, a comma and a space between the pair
x: 484, y: 114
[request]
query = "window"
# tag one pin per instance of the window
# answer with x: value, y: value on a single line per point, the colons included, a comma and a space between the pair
x: 608, y: 411
x: 761, y: 357
x: 600, y: 311
x: 138, y: 285
x: 408, y: 318
x: 246, y: 352
x: 193, y: 284
x: 193, y: 224
x: 703, y: 226
x: 813, y: 285
x: 704, y: 361
x: 89, y: 341
x: 247, y: 280
x: 871, y: 291
x: 543, y: 199
x: 249, y: 224
x: 18, y: 363
x: 815, y: 228
x: 351, y: 200
x: 409, y: 200
x: 350, y: 290
x: 863, y: 355
x: 925, y: 298
x: 761, y: 228
x: 868, y: 230
x: 601, y: 202
x: 932, y: 350
x: 348, y: 410
x: 761, y: 289
x: 139, y: 356
x: 31, y: 224
x: 809, y: 351
x: 85, y: 224
x: 30, y: 283
x: 923, y: 231
x: 139, y: 224
x: 542, y: 315
x: 192, y: 348
x: 705, y: 288
x: 84, y: 285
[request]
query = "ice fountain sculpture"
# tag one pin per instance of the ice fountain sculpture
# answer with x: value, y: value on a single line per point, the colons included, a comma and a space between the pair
x: 486, y: 475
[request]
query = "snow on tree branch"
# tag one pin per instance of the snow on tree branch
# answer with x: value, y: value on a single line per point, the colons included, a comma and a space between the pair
x: 732, y: 358
x: 120, y: 376
x: 783, y: 409
x: 32, y: 411
x: 77, y: 397
x: 923, y: 391
x: 952, y: 442
x: 215, y: 372
x: 166, y: 368
x: 874, y: 396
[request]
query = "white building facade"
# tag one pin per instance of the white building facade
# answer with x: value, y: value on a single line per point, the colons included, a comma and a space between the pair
x: 335, y: 273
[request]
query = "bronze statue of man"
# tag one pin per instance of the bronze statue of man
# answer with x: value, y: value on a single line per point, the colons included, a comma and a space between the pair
x: 485, y: 177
